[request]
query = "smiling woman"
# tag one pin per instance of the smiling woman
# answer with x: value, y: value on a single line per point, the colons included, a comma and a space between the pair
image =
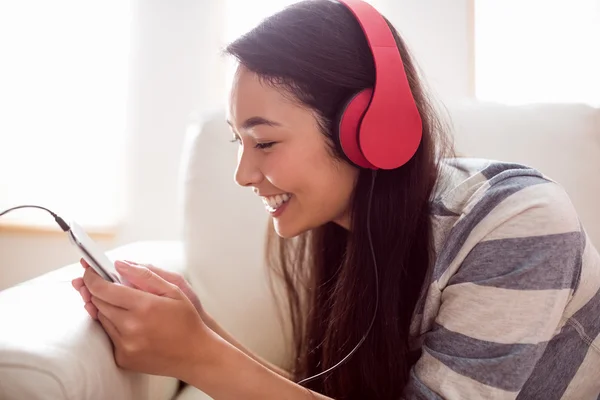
x: 408, y: 272
x: 286, y: 159
x: 475, y: 261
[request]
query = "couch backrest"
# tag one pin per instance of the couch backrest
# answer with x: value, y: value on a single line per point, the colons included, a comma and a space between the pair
x: 225, y: 224
x: 561, y: 140
x: 224, y: 227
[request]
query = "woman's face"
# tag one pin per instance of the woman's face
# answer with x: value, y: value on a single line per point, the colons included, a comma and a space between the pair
x: 285, y: 158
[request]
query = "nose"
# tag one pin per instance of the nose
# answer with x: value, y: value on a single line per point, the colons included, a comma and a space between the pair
x: 247, y: 172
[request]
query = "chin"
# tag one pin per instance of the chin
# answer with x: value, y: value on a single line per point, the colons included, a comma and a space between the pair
x: 286, y: 231
x: 289, y: 228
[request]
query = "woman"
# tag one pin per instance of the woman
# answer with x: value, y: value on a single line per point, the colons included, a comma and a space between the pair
x: 459, y: 278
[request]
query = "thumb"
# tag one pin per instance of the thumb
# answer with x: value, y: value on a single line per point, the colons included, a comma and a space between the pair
x: 146, y: 280
x: 168, y: 276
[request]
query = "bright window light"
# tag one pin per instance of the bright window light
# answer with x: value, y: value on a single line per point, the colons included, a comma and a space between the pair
x: 537, y: 51
x: 63, y: 95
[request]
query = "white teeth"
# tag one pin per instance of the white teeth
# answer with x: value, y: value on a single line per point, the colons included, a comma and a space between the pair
x: 272, y: 203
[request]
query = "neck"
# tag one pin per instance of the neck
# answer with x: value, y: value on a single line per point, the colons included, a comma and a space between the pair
x: 343, y: 220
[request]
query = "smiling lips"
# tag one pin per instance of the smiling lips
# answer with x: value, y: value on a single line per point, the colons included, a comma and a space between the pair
x: 272, y: 203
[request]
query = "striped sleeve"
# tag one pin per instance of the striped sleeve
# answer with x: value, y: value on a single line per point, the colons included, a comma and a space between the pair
x: 515, y: 261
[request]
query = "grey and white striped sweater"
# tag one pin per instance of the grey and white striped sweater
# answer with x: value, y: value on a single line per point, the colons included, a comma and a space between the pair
x: 511, y: 307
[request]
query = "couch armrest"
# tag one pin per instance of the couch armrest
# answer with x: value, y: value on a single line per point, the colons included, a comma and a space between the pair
x: 51, y: 349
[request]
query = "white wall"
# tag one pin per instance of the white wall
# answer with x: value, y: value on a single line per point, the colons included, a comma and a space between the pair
x: 437, y: 33
x: 175, y: 70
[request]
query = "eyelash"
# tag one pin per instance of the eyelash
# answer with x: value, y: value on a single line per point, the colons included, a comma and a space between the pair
x: 263, y: 146
x: 260, y: 146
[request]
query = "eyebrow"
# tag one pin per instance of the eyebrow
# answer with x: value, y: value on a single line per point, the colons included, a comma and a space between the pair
x: 255, y: 121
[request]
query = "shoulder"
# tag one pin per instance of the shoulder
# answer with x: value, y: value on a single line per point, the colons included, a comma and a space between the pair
x: 503, y: 208
x: 512, y: 269
x: 488, y: 192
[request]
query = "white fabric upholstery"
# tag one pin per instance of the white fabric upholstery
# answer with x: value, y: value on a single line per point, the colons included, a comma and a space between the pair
x: 51, y: 349
x: 561, y: 140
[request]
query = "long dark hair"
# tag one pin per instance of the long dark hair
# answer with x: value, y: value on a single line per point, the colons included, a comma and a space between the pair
x: 316, y: 51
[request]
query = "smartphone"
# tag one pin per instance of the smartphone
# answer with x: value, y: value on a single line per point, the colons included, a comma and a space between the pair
x: 92, y: 253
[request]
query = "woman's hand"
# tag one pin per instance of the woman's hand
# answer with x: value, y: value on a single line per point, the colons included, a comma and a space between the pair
x: 157, y: 329
x: 171, y: 277
x: 154, y: 327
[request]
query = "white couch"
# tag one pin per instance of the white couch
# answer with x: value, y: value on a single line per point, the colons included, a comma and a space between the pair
x: 50, y: 349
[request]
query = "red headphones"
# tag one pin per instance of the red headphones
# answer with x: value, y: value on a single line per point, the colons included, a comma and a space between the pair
x: 380, y: 128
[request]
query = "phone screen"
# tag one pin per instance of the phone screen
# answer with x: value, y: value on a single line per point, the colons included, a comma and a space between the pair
x: 93, y: 254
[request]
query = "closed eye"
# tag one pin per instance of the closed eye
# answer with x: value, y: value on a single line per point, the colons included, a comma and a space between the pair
x: 260, y: 146
x: 263, y: 146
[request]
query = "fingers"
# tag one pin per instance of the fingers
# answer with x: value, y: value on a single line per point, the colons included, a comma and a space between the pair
x: 112, y: 293
x: 84, y: 263
x: 168, y: 276
x: 77, y: 283
x: 85, y: 294
x: 115, y: 314
x: 92, y: 310
x: 109, y: 327
x: 146, y: 280
x: 174, y: 278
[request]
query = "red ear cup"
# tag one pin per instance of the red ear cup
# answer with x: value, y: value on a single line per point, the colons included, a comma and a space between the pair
x: 391, y: 129
x: 349, y: 127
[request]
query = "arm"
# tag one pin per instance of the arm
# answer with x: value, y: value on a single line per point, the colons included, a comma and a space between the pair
x: 504, y: 303
x: 225, y: 372
x: 215, y: 327
x: 177, y: 278
x: 156, y: 329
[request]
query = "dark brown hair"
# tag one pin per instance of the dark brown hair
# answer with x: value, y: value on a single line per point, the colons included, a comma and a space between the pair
x: 317, y: 52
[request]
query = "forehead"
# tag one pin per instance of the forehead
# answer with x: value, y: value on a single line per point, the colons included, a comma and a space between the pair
x: 250, y: 97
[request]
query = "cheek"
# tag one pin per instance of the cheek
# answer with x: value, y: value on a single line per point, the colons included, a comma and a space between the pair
x: 291, y: 167
x: 285, y: 170
x: 312, y: 175
x: 337, y: 185
x: 327, y: 183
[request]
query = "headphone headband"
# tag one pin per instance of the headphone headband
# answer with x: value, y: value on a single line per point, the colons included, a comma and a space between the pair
x: 382, y: 127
